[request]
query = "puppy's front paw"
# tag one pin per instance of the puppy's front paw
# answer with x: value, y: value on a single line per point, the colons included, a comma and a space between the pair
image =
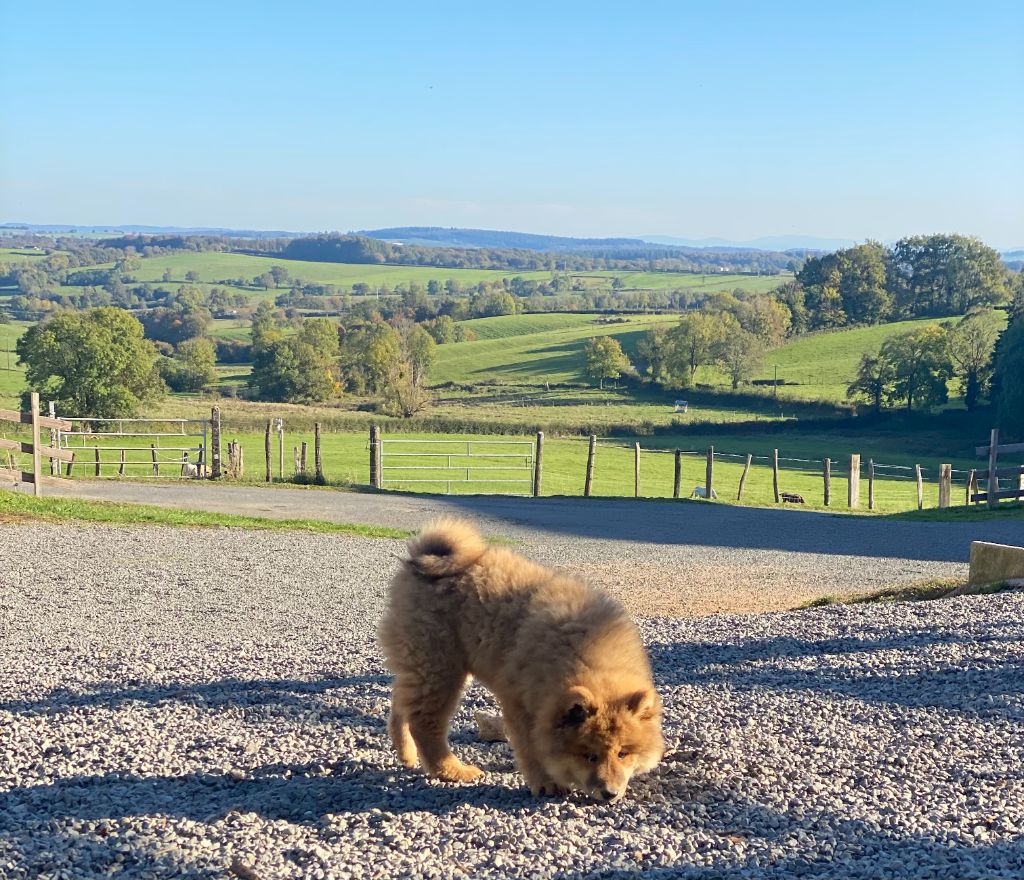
x: 453, y: 770
x: 548, y: 789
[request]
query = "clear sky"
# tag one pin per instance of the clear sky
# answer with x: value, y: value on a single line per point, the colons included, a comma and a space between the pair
x: 694, y: 119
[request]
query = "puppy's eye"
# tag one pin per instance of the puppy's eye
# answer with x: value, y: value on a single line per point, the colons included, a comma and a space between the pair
x: 592, y: 758
x: 624, y: 754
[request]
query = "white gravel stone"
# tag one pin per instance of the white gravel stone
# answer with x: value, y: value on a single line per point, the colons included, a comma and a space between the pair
x: 211, y: 702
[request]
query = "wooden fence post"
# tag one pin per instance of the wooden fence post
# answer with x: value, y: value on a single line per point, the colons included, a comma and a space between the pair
x: 677, y: 478
x: 302, y: 457
x: 871, y: 484
x: 374, y: 460
x: 280, y: 449
x: 993, y: 478
x: 54, y: 441
x: 709, y: 473
x: 588, y: 483
x: 920, y: 486
x: 120, y: 466
x: 538, y: 464
x: 636, y: 470
x: 775, y: 474
x: 97, y: 451
x: 295, y: 459
x: 318, y: 462
x: 37, y: 458
x: 215, y: 466
x: 972, y: 480
x: 827, y: 476
x: 266, y: 449
x: 743, y: 477
x: 945, y: 483
x: 853, y: 483
x: 152, y: 453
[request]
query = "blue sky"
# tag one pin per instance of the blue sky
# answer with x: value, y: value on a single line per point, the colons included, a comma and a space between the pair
x: 690, y: 119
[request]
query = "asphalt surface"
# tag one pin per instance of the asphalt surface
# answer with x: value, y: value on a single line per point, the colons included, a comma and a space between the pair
x: 691, y: 523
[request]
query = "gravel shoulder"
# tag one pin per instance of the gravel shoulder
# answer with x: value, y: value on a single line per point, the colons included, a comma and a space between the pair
x: 661, y: 559
x: 175, y: 702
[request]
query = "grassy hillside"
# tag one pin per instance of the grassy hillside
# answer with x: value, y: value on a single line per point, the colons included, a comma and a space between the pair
x: 672, y: 280
x: 11, y: 375
x: 552, y: 354
x: 216, y: 266
x: 19, y: 255
x: 824, y: 364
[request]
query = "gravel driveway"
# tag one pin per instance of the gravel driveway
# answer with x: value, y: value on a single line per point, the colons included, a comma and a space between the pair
x: 210, y: 703
x: 662, y: 558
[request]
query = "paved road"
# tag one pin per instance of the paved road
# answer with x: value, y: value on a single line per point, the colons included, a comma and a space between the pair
x: 696, y: 524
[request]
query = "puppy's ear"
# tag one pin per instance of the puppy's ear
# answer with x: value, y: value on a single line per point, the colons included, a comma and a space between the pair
x: 577, y: 706
x: 644, y: 704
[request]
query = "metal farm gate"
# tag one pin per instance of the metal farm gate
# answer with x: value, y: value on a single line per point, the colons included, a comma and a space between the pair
x: 502, y: 466
x: 146, y: 447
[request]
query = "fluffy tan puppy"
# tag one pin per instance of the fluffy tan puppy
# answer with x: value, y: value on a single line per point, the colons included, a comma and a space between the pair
x: 564, y: 661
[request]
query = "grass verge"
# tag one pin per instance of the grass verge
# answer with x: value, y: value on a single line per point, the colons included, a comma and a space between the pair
x: 1003, y: 510
x: 925, y: 591
x: 18, y: 507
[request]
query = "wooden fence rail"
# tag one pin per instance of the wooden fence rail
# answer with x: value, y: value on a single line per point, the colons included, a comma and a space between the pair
x: 34, y: 447
x: 993, y: 495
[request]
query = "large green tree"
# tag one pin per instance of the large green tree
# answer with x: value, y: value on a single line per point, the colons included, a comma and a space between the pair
x: 1008, y: 379
x: 873, y: 381
x: 740, y: 354
x: 92, y: 363
x: 605, y: 358
x: 296, y: 369
x: 971, y: 343
x: 693, y: 343
x: 419, y: 349
x: 945, y: 275
x: 193, y: 366
x: 921, y: 367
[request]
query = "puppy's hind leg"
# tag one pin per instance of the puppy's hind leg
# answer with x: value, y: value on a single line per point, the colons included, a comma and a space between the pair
x: 427, y: 703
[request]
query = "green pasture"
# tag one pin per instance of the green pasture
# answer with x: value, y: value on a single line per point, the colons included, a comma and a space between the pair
x: 585, y: 409
x: 549, y: 355
x: 525, y: 325
x: 824, y: 364
x: 12, y: 376
x: 213, y: 267
x: 707, y: 282
x: 548, y: 347
x: 20, y: 255
x: 505, y: 461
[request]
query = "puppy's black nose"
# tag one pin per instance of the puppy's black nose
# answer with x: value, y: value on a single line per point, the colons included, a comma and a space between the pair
x: 608, y: 794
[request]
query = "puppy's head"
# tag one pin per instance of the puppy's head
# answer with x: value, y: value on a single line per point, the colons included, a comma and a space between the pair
x: 596, y: 746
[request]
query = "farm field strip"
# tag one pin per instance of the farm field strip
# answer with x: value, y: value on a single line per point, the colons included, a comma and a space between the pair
x: 346, y: 461
x: 546, y: 356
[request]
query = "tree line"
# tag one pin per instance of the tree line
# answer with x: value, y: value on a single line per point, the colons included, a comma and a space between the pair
x: 921, y: 276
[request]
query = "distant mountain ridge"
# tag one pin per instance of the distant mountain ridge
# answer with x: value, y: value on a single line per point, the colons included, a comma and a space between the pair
x: 460, y: 237
x: 457, y: 237
x: 70, y: 228
x: 438, y: 236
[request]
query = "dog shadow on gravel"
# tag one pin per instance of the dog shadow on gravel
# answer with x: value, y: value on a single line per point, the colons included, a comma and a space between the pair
x: 990, y: 685
x: 281, y: 693
x: 298, y: 793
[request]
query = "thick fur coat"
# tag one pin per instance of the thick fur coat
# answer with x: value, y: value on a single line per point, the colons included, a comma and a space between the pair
x: 564, y: 661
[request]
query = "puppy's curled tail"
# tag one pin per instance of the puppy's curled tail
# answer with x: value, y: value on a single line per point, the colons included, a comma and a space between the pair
x: 445, y: 547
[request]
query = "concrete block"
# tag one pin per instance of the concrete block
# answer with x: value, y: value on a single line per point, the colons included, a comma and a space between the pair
x: 991, y: 563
